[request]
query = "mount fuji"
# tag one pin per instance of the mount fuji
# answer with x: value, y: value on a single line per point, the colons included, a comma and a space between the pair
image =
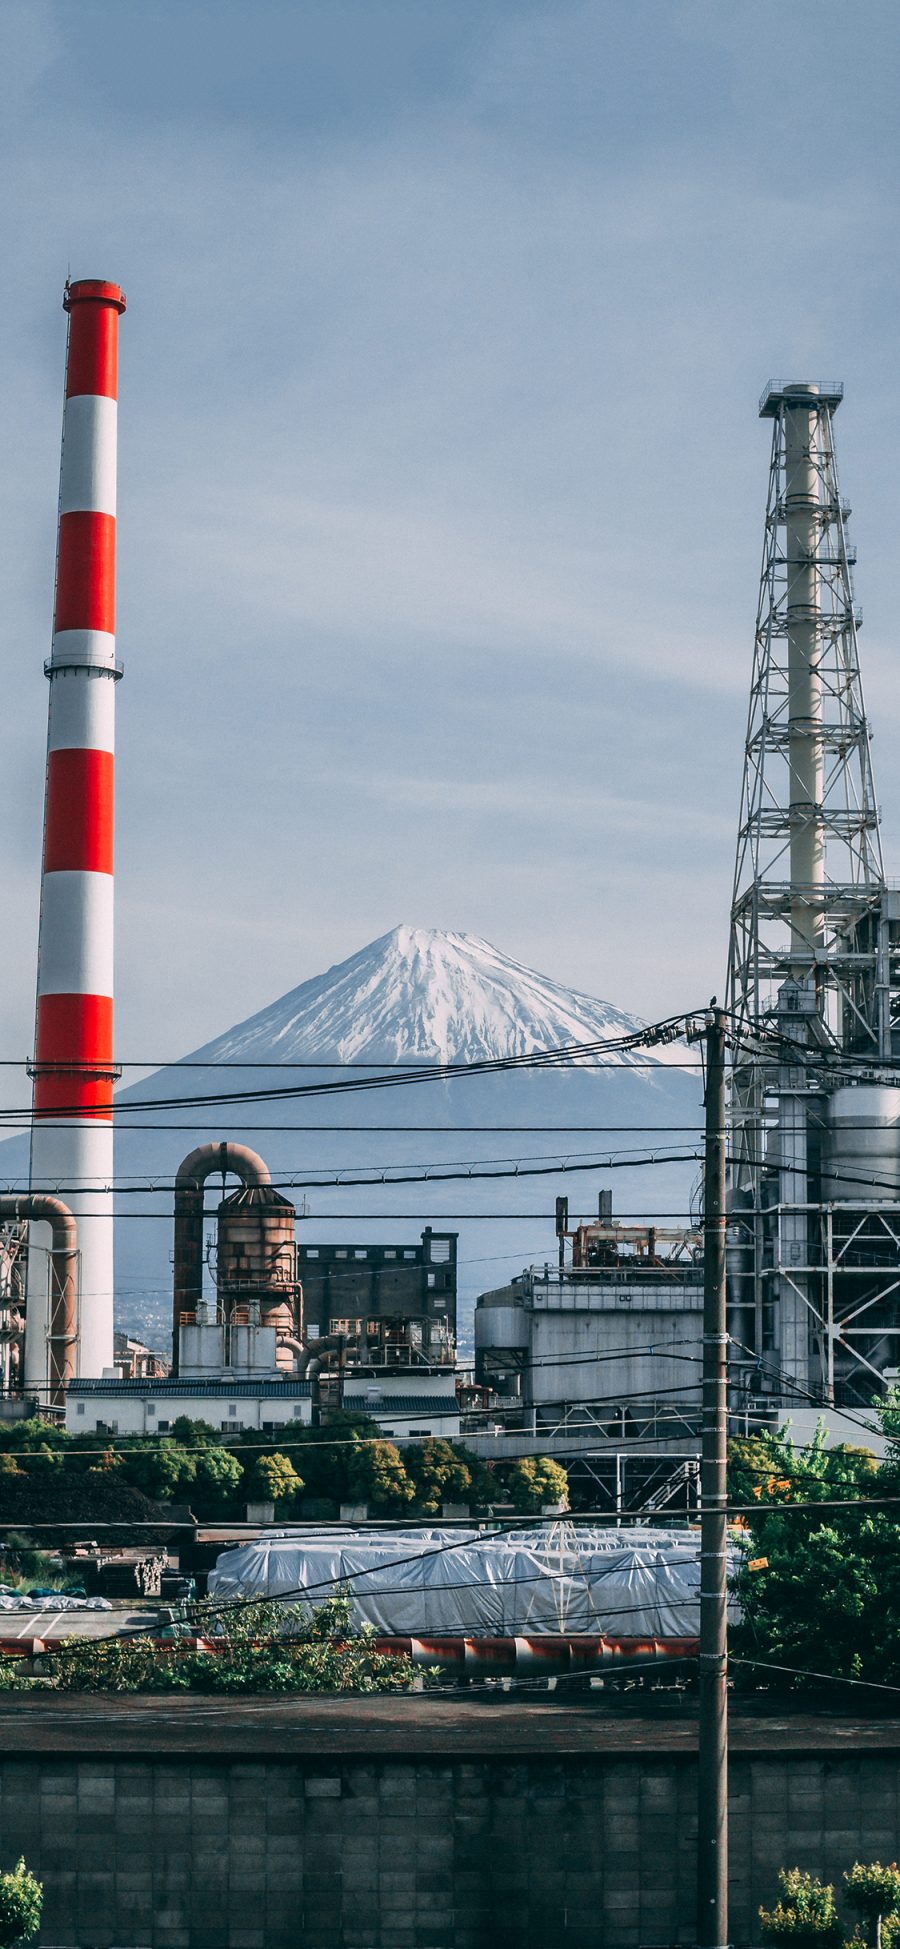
x: 424, y: 998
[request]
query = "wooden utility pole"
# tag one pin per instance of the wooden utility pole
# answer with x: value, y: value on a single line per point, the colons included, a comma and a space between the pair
x: 712, y: 1834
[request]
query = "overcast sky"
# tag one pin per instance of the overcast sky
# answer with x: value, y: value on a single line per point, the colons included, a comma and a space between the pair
x: 441, y: 478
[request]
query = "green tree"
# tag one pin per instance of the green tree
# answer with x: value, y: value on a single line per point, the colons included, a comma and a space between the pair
x: 536, y: 1481
x: 873, y: 1892
x: 34, y: 1433
x: 375, y: 1474
x: 767, y: 1468
x: 438, y: 1474
x: 822, y: 1599
x: 21, y: 1901
x: 163, y: 1469
x: 195, y: 1434
x: 805, y: 1912
x: 262, y: 1646
x: 320, y: 1454
x: 42, y: 1462
x: 274, y: 1479
x: 484, y: 1488
x: 219, y: 1476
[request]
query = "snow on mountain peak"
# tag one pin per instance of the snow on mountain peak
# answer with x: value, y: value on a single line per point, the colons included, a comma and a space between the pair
x: 419, y: 993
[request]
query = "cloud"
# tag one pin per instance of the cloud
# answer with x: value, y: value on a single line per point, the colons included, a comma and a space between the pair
x: 442, y: 488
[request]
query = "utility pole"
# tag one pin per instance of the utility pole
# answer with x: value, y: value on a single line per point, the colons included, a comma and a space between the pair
x: 712, y: 1832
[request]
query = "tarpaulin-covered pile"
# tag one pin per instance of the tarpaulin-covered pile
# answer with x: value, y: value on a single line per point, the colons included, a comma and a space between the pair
x: 558, y: 1578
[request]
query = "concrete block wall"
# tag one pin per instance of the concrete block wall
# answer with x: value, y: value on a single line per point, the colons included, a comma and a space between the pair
x: 580, y: 1850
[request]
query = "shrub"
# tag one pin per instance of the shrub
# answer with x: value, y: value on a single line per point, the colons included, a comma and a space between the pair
x: 274, y: 1478
x: 261, y: 1646
x: 535, y: 1481
x: 218, y: 1477
x: 375, y: 1474
x: 438, y: 1474
x: 161, y: 1468
x: 805, y: 1911
x: 21, y: 1901
x: 874, y: 1893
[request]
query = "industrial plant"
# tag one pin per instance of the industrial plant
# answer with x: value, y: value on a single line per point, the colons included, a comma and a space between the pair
x: 814, y: 1002
x: 591, y: 1354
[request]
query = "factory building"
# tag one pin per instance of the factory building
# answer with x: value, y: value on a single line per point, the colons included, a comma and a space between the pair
x: 359, y: 1290
x: 245, y: 1353
x: 604, y: 1345
x: 230, y: 1402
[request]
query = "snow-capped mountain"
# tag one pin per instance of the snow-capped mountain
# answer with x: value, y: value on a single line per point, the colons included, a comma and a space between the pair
x: 513, y: 1140
x: 420, y: 994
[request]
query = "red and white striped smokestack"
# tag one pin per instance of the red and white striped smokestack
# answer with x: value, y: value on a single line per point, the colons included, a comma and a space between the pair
x: 72, y: 1138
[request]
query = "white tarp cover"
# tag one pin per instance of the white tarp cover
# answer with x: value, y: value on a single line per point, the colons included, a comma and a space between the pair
x: 558, y: 1578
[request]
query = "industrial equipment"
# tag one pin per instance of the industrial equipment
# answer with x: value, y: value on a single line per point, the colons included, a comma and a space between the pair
x: 814, y: 964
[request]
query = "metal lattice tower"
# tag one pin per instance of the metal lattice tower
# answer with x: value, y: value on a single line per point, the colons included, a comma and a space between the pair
x: 809, y: 865
x: 809, y: 951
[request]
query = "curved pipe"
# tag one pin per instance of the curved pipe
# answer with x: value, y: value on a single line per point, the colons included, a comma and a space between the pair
x: 63, y: 1283
x: 315, y: 1348
x: 190, y: 1179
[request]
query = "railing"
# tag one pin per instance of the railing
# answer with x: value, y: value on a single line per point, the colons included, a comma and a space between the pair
x: 825, y: 389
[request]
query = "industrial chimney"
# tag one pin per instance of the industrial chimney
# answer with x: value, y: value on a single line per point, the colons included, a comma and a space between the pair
x: 72, y: 1139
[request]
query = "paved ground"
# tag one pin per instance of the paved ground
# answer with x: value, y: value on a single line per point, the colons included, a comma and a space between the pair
x: 49, y: 1626
x: 448, y: 1728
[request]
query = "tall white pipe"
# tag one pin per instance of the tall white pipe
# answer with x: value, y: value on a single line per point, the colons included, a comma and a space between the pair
x: 805, y: 757
x: 72, y: 1137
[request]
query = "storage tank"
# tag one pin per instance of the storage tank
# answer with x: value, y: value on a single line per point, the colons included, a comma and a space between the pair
x: 502, y: 1339
x: 257, y: 1265
x: 861, y: 1154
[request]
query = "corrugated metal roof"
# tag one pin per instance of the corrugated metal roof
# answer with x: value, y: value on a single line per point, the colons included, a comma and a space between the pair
x: 218, y: 1390
x: 404, y: 1404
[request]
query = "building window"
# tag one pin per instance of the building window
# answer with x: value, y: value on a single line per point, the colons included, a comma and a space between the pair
x: 312, y: 1251
x: 424, y: 1431
x: 79, y: 1407
x: 387, y: 1431
x: 162, y: 1427
x: 411, y: 1255
x: 151, y: 1407
x: 431, y: 1278
x: 440, y: 1251
x: 360, y: 1252
x: 232, y: 1407
x: 296, y: 1407
x: 341, y: 1253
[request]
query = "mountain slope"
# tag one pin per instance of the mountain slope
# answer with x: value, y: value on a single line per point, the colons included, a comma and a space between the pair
x: 419, y: 994
x: 425, y: 997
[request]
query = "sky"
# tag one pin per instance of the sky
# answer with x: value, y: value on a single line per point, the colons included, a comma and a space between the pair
x: 441, y: 477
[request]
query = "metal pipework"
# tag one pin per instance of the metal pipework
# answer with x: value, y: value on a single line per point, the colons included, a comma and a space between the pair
x: 543, y: 1655
x: 63, y: 1325
x: 191, y: 1177
x: 803, y: 429
x: 315, y: 1350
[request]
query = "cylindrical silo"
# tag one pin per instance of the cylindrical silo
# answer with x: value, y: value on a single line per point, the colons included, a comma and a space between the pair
x: 861, y: 1154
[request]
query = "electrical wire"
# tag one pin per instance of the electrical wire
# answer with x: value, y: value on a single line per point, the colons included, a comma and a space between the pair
x: 797, y: 1671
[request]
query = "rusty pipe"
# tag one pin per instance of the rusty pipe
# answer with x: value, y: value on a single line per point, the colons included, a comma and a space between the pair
x: 540, y: 1655
x: 190, y: 1179
x: 63, y: 1332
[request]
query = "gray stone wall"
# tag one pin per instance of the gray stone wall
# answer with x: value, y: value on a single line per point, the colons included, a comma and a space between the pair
x: 551, y: 1851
